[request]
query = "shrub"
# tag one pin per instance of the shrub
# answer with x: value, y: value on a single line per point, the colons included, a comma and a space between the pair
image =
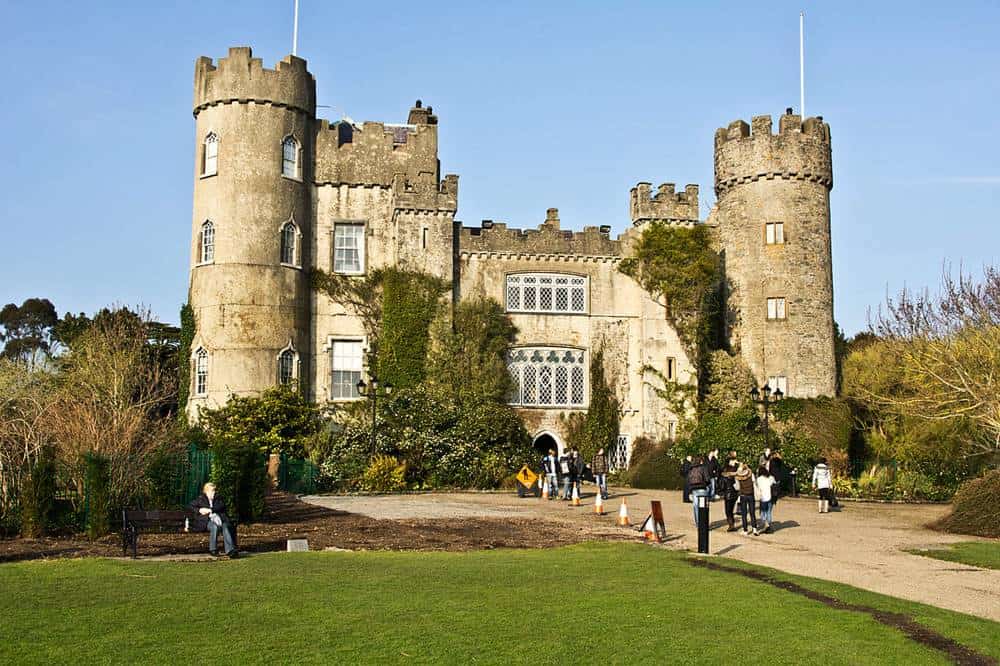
x: 165, y: 477
x: 97, y: 480
x: 877, y: 481
x: 658, y: 469
x: 975, y: 509
x: 38, y: 495
x: 384, y: 474
x: 239, y: 473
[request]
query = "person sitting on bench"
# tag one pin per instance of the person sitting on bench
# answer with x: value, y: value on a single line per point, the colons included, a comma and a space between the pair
x: 211, y: 510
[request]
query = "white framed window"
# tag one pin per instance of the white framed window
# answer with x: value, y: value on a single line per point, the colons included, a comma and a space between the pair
x: 776, y: 307
x: 619, y: 454
x: 671, y: 368
x: 774, y: 233
x: 201, y: 372
x: 210, y: 155
x: 777, y: 382
x: 546, y: 292
x: 290, y: 151
x: 289, y: 244
x: 349, y: 247
x: 346, y: 364
x: 547, y: 377
x: 206, y: 242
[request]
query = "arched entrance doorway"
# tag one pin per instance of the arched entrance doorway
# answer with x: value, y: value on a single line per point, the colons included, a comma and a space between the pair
x: 543, y: 442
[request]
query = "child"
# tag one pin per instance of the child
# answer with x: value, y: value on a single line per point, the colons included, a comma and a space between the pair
x: 765, y: 488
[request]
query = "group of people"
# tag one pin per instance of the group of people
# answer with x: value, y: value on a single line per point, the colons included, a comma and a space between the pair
x: 568, y: 469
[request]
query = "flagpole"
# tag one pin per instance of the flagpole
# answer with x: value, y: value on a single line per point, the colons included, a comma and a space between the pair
x: 802, y: 64
x: 295, y: 30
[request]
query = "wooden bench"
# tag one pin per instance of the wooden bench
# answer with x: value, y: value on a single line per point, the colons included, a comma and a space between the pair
x: 135, y: 521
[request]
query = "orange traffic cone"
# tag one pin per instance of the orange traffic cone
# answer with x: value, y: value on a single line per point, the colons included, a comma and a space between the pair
x: 599, y: 504
x: 576, y: 496
x: 623, y: 514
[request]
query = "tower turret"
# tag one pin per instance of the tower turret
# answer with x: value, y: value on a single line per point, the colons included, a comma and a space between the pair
x: 773, y: 217
x: 251, y: 225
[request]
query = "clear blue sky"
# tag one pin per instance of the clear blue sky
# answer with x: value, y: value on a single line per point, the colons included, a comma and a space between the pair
x: 541, y: 104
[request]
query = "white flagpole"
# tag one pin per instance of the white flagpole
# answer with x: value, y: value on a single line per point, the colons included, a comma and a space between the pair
x: 802, y: 65
x: 295, y: 30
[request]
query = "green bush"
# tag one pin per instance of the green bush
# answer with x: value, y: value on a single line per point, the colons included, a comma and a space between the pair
x: 97, y: 482
x: 384, y: 474
x: 166, y: 473
x: 239, y: 473
x: 38, y: 495
x: 975, y: 509
x: 658, y: 469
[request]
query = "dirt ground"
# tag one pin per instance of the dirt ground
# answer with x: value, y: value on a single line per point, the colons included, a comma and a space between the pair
x: 288, y: 517
x: 862, y: 544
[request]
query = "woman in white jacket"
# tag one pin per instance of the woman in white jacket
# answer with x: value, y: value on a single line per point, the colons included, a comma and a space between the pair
x: 765, y: 495
x: 823, y: 481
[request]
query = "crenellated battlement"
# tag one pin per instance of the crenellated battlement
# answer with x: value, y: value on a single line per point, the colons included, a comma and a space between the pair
x: 800, y: 150
x: 547, y: 239
x: 240, y: 78
x: 374, y: 153
x: 426, y: 194
x: 666, y: 205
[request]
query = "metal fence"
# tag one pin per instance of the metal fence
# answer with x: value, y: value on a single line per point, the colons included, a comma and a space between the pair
x: 297, y: 476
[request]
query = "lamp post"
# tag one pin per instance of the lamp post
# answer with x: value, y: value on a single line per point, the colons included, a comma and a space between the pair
x: 764, y: 397
x: 372, y: 391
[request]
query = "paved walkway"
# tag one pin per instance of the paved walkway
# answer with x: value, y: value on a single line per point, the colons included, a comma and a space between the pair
x: 861, y: 545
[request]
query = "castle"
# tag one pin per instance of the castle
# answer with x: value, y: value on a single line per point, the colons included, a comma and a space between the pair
x: 279, y: 191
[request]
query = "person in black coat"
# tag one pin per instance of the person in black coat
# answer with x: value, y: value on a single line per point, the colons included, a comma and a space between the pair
x: 685, y: 469
x: 210, y: 514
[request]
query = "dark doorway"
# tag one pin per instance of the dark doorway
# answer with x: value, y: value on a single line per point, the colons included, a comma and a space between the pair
x: 544, y: 442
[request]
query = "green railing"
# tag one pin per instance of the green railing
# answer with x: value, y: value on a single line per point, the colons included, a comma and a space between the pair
x: 297, y: 476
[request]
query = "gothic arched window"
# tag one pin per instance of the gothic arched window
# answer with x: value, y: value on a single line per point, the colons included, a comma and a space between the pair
x: 201, y: 372
x: 290, y: 157
x: 210, y: 159
x: 547, y: 377
x: 288, y: 240
x: 286, y: 366
x: 206, y: 242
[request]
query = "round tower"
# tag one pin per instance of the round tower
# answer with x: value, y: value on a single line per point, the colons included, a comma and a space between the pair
x: 774, y: 227
x: 251, y: 225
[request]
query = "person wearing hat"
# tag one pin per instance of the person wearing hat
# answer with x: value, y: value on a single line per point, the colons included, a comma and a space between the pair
x: 746, y: 488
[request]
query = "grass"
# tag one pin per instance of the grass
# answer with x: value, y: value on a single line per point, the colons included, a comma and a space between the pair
x: 593, y: 603
x: 982, y: 554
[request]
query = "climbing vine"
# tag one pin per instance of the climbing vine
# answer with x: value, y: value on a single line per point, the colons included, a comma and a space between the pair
x: 599, y: 427
x: 184, y: 361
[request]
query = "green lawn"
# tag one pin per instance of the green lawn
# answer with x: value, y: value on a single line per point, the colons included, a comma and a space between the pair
x: 593, y: 603
x: 985, y: 554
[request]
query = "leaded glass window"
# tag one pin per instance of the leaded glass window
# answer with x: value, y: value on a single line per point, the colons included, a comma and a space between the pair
x: 546, y: 292
x: 288, y: 238
x: 210, y: 162
x: 286, y: 367
x: 201, y: 372
x: 207, y: 249
x: 548, y: 377
x: 290, y: 157
x: 348, y: 247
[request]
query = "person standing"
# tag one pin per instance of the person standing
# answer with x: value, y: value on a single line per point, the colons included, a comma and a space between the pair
x: 822, y: 481
x: 780, y: 474
x: 550, y: 467
x: 685, y: 470
x: 764, y: 457
x: 565, y: 461
x: 714, y: 470
x: 765, y: 491
x: 697, y: 482
x: 211, y: 515
x: 727, y: 486
x: 746, y: 488
x: 599, y: 466
x: 575, y: 470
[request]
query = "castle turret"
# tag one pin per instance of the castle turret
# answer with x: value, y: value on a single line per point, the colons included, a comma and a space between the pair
x: 773, y: 218
x: 251, y: 225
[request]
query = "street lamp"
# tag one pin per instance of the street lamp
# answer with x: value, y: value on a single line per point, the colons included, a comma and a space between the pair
x: 373, y: 391
x: 766, y: 400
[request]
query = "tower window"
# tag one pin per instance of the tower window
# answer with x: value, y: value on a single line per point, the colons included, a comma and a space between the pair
x: 289, y: 238
x: 201, y: 372
x: 774, y: 233
x: 345, y: 369
x: 348, y: 248
x: 776, y: 308
x: 286, y: 366
x: 210, y: 155
x: 206, y: 253
x: 671, y: 368
x: 290, y: 158
x: 778, y: 382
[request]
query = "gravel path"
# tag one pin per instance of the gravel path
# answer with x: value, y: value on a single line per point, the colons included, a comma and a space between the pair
x: 861, y: 545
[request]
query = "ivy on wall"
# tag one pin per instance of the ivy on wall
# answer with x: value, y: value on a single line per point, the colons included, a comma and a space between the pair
x: 600, y: 426
x: 184, y: 361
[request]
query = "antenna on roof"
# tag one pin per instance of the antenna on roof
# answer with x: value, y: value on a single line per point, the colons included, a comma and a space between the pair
x: 295, y: 30
x: 802, y: 64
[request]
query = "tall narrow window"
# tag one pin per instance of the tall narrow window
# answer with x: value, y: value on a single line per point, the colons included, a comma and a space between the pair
x: 348, y: 248
x: 776, y: 308
x: 210, y: 159
x: 288, y: 239
x: 345, y: 369
x: 290, y: 157
x: 286, y: 367
x: 774, y: 233
x: 201, y: 372
x: 207, y: 250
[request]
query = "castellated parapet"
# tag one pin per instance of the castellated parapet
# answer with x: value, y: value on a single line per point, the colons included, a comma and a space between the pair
x: 548, y: 239
x: 241, y: 78
x: 666, y: 205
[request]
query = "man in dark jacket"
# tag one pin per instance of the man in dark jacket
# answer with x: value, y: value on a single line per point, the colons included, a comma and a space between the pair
x: 211, y: 514
x: 599, y: 467
x: 698, y: 482
x: 714, y: 470
x: 685, y: 470
x: 550, y: 467
x: 729, y: 492
x: 576, y: 470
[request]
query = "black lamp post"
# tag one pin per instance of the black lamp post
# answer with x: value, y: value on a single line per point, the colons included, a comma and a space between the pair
x: 373, y: 391
x: 767, y: 400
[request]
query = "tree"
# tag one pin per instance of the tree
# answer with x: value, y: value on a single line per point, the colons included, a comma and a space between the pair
x: 943, y: 358
x: 27, y: 330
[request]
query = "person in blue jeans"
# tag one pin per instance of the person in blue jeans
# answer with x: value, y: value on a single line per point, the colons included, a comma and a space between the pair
x: 550, y: 467
x: 211, y: 514
x: 698, y: 484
